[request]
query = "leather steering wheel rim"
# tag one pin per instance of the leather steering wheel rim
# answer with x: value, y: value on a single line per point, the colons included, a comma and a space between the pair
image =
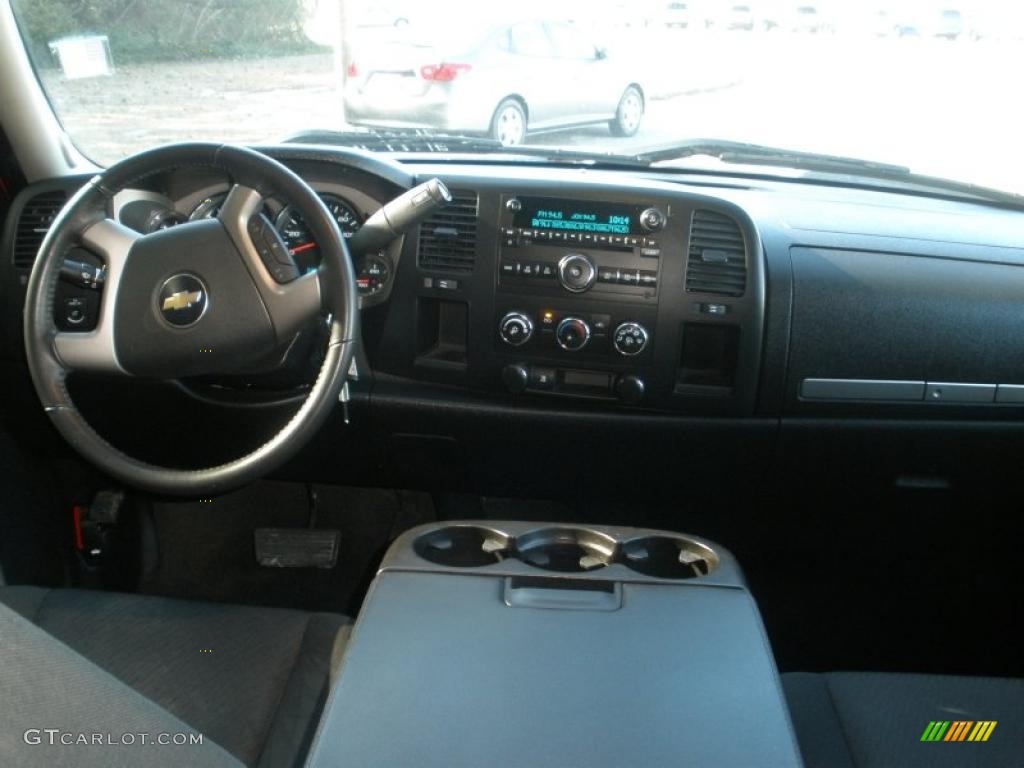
x: 330, y: 291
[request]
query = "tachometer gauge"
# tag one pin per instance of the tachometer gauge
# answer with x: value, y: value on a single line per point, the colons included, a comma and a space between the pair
x: 297, y: 237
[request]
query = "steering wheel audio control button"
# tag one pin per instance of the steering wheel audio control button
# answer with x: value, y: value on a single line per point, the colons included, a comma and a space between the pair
x: 272, y: 249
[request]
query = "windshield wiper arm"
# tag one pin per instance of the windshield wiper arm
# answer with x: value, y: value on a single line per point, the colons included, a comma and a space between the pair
x: 742, y: 153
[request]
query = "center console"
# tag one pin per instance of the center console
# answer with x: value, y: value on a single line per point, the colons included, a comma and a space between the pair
x: 647, y: 298
x: 520, y: 644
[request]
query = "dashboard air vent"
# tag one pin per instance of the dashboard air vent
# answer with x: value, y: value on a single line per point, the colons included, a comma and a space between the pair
x: 33, y: 224
x: 718, y: 256
x: 448, y: 236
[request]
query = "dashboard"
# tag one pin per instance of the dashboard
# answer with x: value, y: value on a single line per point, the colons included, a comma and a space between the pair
x: 637, y: 330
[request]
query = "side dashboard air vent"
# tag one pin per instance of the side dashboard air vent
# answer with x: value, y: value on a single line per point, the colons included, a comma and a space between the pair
x: 33, y: 224
x: 448, y: 236
x: 717, y: 261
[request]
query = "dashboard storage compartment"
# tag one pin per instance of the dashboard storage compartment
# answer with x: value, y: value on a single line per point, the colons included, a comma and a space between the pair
x: 562, y: 665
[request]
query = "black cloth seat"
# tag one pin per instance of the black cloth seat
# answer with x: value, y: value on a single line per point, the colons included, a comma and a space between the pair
x: 870, y: 720
x: 253, y: 680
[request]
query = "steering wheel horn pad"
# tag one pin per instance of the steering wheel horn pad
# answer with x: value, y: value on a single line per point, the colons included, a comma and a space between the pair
x: 190, y: 300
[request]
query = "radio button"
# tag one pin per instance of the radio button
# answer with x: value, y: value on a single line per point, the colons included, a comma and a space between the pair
x: 547, y: 270
x: 629, y: 277
x: 510, y: 268
x: 650, y: 252
x: 649, y: 278
x: 606, y: 275
x: 576, y: 272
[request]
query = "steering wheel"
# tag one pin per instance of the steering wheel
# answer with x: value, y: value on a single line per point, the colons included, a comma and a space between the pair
x: 210, y: 297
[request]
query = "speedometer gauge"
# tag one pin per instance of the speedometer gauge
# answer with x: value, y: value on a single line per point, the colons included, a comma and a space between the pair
x: 296, y: 234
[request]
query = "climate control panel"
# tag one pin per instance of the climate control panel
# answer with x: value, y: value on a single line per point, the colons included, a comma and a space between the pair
x: 573, y: 333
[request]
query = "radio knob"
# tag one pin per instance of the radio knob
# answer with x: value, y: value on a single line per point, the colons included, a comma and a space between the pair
x: 652, y: 220
x: 630, y: 339
x: 576, y: 272
x: 515, y: 329
x: 572, y: 334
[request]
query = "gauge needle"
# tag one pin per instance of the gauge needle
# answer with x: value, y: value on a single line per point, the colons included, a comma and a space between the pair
x: 301, y: 248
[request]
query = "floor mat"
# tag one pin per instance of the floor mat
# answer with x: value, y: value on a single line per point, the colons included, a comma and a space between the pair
x: 205, y: 549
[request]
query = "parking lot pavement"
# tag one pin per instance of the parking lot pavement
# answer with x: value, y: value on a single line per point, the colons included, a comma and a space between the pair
x: 940, y: 107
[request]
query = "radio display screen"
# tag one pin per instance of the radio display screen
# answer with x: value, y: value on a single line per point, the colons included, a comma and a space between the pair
x: 578, y: 216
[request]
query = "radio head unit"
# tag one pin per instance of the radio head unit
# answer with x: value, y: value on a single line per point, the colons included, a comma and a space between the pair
x: 599, y: 218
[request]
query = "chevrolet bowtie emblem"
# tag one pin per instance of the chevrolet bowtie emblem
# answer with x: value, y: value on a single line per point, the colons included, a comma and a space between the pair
x: 182, y: 300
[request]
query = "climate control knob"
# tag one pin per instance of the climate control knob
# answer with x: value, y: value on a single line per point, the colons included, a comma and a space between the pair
x: 630, y: 339
x: 572, y: 334
x: 576, y: 272
x: 515, y: 328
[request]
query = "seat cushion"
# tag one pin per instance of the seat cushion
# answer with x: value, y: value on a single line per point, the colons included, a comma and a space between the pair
x: 864, y: 720
x: 252, y: 679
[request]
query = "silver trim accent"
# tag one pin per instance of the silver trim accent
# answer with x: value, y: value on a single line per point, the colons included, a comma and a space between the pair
x: 563, y: 264
x: 96, y: 350
x: 947, y: 392
x: 586, y: 333
x: 637, y: 326
x: 862, y: 389
x: 526, y: 321
x: 1010, y: 393
x: 290, y: 305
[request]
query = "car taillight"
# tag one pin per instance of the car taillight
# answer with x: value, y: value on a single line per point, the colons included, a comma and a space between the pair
x: 443, y: 73
x: 353, y: 70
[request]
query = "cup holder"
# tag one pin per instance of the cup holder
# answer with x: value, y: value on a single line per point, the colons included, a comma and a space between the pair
x: 668, y: 557
x: 462, y: 546
x: 567, y: 550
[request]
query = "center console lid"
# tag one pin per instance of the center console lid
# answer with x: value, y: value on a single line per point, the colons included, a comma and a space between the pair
x: 524, y: 644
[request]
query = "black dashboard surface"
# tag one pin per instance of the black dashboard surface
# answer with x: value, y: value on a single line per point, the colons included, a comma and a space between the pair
x: 854, y: 287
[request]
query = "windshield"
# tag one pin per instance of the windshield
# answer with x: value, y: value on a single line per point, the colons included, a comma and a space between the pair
x: 925, y: 84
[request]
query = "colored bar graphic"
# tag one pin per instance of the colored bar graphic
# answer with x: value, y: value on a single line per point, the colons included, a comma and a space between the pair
x: 958, y: 730
x: 935, y: 730
x: 982, y: 730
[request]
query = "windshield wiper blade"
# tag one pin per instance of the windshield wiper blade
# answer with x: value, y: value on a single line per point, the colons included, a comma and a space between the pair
x: 413, y: 140
x: 417, y: 140
x: 741, y: 153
